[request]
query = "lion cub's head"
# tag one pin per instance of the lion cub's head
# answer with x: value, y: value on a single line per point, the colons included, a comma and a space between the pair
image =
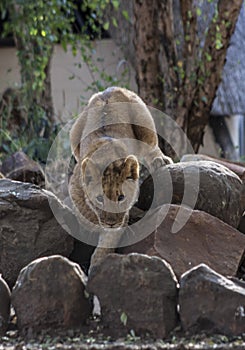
x: 112, y: 191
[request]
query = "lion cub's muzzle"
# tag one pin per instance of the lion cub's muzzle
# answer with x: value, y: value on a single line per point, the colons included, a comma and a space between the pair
x: 113, y: 220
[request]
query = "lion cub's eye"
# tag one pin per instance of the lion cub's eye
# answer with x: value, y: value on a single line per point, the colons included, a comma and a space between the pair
x: 129, y: 178
x: 100, y: 198
x: 120, y: 197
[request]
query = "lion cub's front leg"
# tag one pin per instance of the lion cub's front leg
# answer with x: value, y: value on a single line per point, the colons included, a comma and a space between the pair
x: 98, y: 255
x: 108, y: 240
x: 156, y: 159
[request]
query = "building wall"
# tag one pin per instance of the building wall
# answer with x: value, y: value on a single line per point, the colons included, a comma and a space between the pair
x: 69, y: 93
x: 69, y: 82
x: 9, y: 71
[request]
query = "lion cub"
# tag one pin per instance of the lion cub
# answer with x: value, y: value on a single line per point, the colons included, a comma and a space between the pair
x: 109, y: 139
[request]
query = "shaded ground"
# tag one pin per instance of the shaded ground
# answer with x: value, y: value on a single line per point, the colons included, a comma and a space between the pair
x: 72, y: 341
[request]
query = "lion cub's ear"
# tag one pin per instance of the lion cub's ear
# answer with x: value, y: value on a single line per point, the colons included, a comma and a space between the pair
x: 89, y: 170
x: 131, y: 168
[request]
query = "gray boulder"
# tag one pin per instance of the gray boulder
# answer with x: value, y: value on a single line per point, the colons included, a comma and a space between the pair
x: 28, y: 228
x: 186, y: 238
x: 20, y: 167
x: 49, y: 294
x: 202, y: 185
x: 212, y: 303
x: 135, y: 292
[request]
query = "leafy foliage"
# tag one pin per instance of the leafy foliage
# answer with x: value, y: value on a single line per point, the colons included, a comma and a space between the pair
x: 37, y: 26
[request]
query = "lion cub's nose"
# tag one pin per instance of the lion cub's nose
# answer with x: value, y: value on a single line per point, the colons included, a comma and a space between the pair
x: 112, y: 223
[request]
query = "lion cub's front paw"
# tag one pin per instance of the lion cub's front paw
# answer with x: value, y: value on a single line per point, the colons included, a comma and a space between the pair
x: 159, y: 162
x: 97, y: 257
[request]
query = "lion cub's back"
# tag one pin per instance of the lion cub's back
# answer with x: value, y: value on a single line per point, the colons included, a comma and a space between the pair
x: 114, y: 94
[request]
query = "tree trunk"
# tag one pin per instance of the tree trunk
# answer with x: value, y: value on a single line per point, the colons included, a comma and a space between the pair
x: 155, y: 59
x: 147, y: 49
x: 183, y: 86
x: 217, y: 42
x: 168, y: 57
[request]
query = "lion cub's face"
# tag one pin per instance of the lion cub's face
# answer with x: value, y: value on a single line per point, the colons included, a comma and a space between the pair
x: 113, y: 191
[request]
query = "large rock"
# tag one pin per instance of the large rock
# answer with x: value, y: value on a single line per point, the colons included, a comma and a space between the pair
x: 135, y: 292
x: 28, y: 228
x: 20, y: 167
x: 202, y: 185
x: 237, y: 167
x: 50, y: 294
x: 212, y: 303
x: 4, y: 305
x: 202, y: 239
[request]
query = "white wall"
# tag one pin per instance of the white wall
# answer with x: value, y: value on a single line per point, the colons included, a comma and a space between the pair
x: 9, y: 71
x: 67, y: 92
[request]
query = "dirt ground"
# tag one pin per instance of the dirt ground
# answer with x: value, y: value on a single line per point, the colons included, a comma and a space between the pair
x: 78, y: 341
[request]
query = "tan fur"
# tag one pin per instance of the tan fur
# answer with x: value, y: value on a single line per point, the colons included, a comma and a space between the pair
x: 98, y: 183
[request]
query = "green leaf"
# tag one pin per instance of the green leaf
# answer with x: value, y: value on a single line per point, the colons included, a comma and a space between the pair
x: 124, y: 318
x: 106, y: 25
x: 218, y: 44
x: 125, y: 14
x: 208, y: 57
x: 189, y: 14
x: 116, y: 4
x: 114, y: 22
x: 199, y: 12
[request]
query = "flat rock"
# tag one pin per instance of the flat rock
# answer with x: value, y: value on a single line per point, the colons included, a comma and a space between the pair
x: 28, y: 228
x: 20, y: 167
x: 201, y: 239
x: 4, y: 305
x: 201, y: 185
x: 50, y: 294
x: 210, y: 302
x: 135, y: 292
